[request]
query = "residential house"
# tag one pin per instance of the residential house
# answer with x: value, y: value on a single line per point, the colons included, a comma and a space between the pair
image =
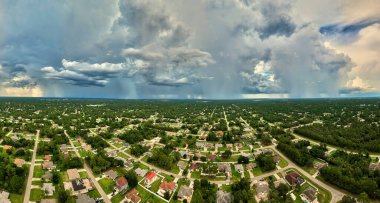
x: 230, y: 146
x: 111, y: 174
x: 319, y: 165
x: 133, y: 196
x: 47, y: 158
x: 182, y: 165
x: 47, y: 177
x: 84, y: 198
x: 48, y: 188
x: 150, y: 178
x: 278, y: 182
x: 310, y: 195
x: 4, y: 197
x: 250, y: 166
x: 7, y: 147
x: 225, y: 168
x: 48, y: 201
x: 121, y: 183
x: 223, y: 197
x: 218, y: 145
x: 166, y: 187
x: 78, y: 186
x: 73, y: 174
x: 141, y: 172
x: 294, y: 179
x: 262, y: 191
x: 276, y: 159
x: 87, y: 148
x: 239, y: 168
x: 194, y: 166
x: 48, y: 165
x: 185, y: 192
x: 19, y: 162
x: 211, y: 157
x: 374, y: 166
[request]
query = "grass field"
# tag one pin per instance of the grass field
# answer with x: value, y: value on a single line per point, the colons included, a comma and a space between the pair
x: 257, y: 171
x: 107, y: 184
x: 38, y: 172
x: 36, y: 195
x: 94, y: 194
x: 16, y: 198
x: 83, y: 174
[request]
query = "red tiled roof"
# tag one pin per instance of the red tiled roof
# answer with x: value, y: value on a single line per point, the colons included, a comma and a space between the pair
x: 150, y: 175
x: 167, y: 186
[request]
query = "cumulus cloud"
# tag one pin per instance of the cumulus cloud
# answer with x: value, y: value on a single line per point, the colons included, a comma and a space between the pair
x: 213, y: 48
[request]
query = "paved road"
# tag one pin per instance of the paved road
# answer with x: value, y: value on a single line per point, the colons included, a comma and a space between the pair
x: 90, y: 174
x: 31, y: 170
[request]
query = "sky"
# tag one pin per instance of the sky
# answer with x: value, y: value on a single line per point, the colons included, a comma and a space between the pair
x: 198, y: 49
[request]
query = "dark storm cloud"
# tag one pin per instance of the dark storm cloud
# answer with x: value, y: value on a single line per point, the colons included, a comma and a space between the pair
x: 148, y: 48
x: 352, y: 28
x: 276, y: 20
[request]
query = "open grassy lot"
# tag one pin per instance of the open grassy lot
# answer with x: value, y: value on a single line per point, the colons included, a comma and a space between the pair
x: 38, y: 172
x: 107, y: 184
x: 283, y: 163
x: 36, y: 195
x: 257, y: 171
x: 16, y: 198
x: 196, y: 174
x: 37, y: 182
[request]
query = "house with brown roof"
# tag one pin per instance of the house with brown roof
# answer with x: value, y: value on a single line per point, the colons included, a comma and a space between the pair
x: 47, y: 158
x: 133, y: 196
x: 73, y: 174
x: 294, y: 179
x: 48, y: 165
x: 166, y: 187
x: 19, y: 162
x: 87, y: 148
x: 121, y: 183
x: 7, y: 147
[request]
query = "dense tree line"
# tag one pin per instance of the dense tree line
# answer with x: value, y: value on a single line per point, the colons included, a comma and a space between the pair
x: 12, y: 177
x: 164, y: 158
x: 100, y: 162
x: 351, y: 172
x: 204, y: 192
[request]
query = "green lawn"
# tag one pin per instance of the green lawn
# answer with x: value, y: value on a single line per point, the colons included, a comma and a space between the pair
x: 83, y: 174
x: 226, y: 188
x: 38, y: 172
x: 196, y: 174
x: 122, y: 155
x: 36, y: 195
x: 283, y: 163
x: 64, y: 176
x: 94, y: 194
x: 107, y: 184
x: 147, y: 196
x: 175, y: 169
x: 84, y: 153
x: 37, y: 182
x: 235, y: 175
x: 117, y: 198
x: 16, y: 198
x: 167, y: 177
x: 142, y: 166
x: 257, y: 171
x: 121, y: 171
x: 155, y: 185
